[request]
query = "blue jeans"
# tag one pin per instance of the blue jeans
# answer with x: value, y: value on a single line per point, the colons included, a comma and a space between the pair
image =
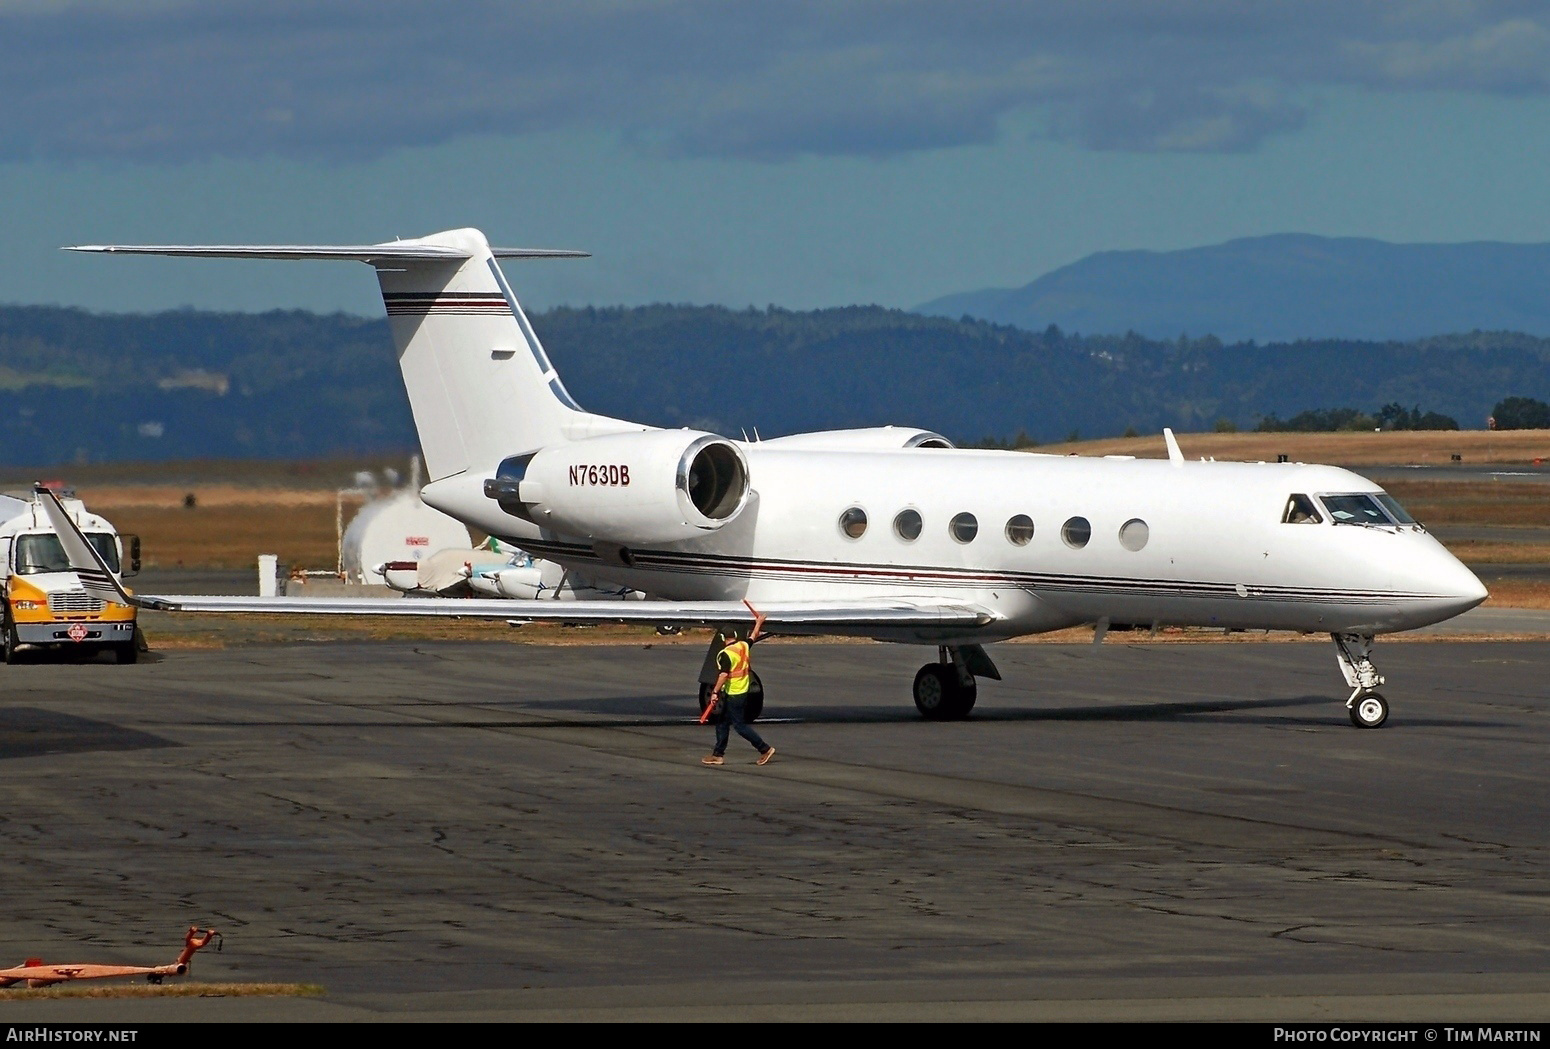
x: 732, y: 718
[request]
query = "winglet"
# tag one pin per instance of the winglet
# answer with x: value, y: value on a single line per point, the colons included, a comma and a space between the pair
x: 1175, y: 456
x: 96, y: 577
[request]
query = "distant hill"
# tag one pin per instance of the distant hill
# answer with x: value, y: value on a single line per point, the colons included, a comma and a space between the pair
x: 83, y: 387
x: 1282, y: 288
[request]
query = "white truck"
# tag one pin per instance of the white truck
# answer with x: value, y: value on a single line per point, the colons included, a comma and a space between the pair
x: 44, y: 603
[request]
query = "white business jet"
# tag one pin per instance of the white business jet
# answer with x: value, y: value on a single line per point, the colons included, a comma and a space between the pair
x: 885, y: 533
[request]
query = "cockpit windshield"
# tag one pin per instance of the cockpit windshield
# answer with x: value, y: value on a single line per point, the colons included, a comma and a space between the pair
x: 1355, y: 509
x: 1396, y: 511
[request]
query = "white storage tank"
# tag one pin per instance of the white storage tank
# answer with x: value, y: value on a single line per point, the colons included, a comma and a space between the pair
x: 397, y: 528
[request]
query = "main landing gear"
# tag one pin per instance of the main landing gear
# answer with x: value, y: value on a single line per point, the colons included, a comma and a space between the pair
x: 1367, y: 706
x: 946, y: 690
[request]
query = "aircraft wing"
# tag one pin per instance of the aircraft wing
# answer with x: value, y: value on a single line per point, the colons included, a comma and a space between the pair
x: 803, y: 615
x: 808, y: 616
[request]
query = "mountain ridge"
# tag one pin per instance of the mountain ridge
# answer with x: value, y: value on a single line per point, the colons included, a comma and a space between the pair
x: 1281, y: 288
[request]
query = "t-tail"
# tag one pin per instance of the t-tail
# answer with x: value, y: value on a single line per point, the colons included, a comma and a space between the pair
x: 479, y: 382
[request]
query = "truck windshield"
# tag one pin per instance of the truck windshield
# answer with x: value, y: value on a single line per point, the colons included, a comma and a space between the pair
x: 43, y: 553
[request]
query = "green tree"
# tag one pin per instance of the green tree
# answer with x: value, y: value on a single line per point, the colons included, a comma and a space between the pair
x: 1521, y: 413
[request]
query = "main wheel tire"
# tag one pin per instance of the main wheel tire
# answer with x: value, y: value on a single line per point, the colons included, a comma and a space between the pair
x: 11, y: 643
x: 940, y: 696
x: 1370, y: 710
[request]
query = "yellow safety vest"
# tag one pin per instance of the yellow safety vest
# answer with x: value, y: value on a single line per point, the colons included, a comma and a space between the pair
x: 737, y: 677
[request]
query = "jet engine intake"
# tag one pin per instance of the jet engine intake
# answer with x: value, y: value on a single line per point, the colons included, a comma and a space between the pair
x: 654, y: 486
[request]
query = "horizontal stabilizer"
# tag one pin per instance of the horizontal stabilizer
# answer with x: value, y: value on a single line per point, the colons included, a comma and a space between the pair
x: 397, y: 251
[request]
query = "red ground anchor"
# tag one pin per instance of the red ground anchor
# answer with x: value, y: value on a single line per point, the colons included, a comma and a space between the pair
x: 36, y: 974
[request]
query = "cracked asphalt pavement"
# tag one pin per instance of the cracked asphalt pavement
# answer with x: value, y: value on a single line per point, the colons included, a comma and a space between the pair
x: 484, y: 830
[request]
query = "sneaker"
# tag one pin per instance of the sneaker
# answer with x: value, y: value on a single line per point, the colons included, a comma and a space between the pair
x: 764, y: 759
x: 713, y: 759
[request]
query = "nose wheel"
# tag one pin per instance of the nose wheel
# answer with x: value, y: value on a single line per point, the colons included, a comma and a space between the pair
x: 1368, y: 709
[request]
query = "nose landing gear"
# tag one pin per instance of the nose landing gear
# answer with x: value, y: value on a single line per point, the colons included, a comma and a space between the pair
x: 1366, y: 705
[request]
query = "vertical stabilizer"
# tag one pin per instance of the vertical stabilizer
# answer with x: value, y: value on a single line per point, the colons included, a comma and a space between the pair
x: 479, y: 382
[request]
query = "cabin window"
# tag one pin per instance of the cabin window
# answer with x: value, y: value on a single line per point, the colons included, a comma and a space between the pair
x: 1133, y: 534
x: 1300, y: 510
x: 1076, y: 532
x: 853, y: 522
x: 907, y: 525
x: 1019, y: 530
x: 1397, y: 512
x: 964, y: 528
x: 1355, y: 509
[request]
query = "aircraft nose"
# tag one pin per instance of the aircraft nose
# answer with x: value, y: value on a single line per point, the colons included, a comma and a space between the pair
x: 1460, y: 588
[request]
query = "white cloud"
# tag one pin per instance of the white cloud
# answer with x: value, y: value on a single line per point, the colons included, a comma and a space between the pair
x: 347, y: 79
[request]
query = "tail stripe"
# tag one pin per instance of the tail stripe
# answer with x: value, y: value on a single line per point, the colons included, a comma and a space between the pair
x: 446, y: 303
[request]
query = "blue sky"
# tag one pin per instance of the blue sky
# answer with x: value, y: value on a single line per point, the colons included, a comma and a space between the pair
x: 802, y: 154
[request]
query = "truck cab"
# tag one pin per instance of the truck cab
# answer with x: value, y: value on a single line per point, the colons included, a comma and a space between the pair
x: 44, y: 604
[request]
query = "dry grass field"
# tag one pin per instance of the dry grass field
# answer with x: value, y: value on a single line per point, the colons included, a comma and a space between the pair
x: 1474, y: 502
x: 229, y: 525
x: 1337, y: 449
x: 180, y: 989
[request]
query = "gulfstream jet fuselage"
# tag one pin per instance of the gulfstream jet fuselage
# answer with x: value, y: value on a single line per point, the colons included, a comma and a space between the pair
x: 889, y: 533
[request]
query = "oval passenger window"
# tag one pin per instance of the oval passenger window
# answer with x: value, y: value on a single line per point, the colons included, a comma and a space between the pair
x: 964, y: 528
x: 853, y: 522
x: 1019, y: 530
x: 907, y: 525
x: 1133, y: 534
x: 1076, y: 532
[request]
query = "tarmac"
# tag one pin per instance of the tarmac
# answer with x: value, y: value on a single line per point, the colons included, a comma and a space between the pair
x: 493, y: 831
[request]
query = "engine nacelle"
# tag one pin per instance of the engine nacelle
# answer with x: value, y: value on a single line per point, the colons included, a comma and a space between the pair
x: 868, y: 439
x: 655, y: 486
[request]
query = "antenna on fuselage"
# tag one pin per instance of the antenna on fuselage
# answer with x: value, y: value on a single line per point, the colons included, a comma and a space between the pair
x: 1175, y: 456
